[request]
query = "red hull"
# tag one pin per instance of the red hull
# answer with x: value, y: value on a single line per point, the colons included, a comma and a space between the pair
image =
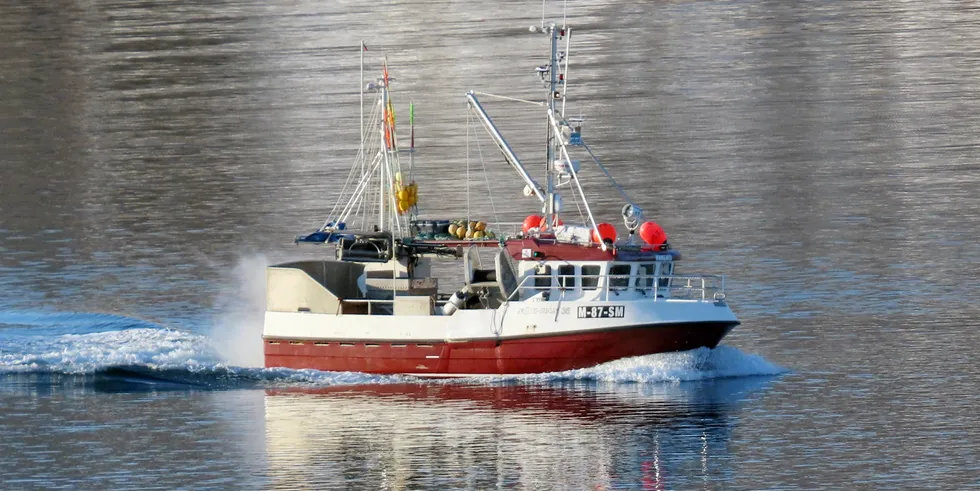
x: 508, y: 356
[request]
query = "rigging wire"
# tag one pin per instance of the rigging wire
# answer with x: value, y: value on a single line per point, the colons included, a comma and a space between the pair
x: 486, y: 176
x: 364, y: 192
x: 513, y: 99
x: 366, y: 195
x: 578, y: 206
x: 619, y: 188
x: 361, y: 157
x: 340, y: 197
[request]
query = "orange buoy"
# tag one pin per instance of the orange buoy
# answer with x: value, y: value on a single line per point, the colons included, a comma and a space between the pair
x: 532, y: 221
x: 652, y: 234
x: 607, y: 233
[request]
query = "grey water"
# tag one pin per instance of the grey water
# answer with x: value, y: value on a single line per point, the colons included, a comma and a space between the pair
x: 154, y: 156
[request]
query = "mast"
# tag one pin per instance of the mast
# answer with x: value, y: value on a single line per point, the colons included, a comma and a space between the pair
x: 384, y: 147
x: 411, y: 147
x: 383, y: 176
x: 553, y: 93
x: 556, y: 145
x: 361, y: 90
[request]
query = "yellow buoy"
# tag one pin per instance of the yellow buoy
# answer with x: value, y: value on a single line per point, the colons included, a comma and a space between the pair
x: 481, y: 226
x: 452, y: 229
x: 478, y: 234
x: 460, y: 232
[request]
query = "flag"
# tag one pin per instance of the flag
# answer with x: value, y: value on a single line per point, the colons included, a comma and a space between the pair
x: 364, y: 46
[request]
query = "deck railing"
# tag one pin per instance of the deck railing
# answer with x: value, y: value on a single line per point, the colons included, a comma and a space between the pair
x: 705, y: 288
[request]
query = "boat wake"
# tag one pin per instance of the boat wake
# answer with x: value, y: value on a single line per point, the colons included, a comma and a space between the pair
x: 112, y: 347
x: 686, y: 366
x: 130, y: 354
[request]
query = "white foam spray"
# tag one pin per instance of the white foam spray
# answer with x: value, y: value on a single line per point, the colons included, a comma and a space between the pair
x: 236, y: 328
x: 85, y: 353
x: 685, y: 366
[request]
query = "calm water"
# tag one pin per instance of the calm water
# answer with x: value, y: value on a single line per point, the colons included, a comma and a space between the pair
x: 154, y: 156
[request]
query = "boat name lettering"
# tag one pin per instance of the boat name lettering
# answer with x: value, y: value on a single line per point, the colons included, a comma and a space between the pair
x: 663, y: 257
x: 602, y: 312
x: 543, y: 310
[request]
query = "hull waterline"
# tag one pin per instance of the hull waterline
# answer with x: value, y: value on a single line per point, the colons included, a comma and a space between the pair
x: 520, y: 355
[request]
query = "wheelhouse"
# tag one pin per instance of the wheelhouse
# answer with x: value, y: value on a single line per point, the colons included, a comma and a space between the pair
x: 594, y: 280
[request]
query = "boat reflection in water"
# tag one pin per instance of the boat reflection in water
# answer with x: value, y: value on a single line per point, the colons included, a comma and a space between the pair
x: 567, y: 435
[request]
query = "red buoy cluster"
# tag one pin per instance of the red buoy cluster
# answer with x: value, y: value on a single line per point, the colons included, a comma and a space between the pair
x: 606, y: 233
x: 652, y: 234
x: 532, y: 221
x: 537, y: 221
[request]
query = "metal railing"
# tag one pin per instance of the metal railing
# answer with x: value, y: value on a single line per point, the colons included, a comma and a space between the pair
x: 705, y: 288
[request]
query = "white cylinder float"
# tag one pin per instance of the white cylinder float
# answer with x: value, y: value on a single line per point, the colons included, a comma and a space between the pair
x: 453, y: 304
x: 565, y: 167
x: 574, y: 234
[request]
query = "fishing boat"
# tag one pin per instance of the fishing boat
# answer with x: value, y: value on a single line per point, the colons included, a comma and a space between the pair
x: 547, y: 297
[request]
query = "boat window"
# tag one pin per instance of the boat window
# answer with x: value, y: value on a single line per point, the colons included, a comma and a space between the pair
x: 566, y: 276
x: 619, y: 277
x: 647, y: 273
x: 666, y: 269
x: 542, y: 278
x: 590, y: 277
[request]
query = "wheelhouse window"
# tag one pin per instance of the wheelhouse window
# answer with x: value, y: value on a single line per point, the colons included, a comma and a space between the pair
x: 647, y: 273
x: 666, y: 269
x: 619, y: 277
x: 542, y: 278
x: 566, y: 276
x: 590, y: 277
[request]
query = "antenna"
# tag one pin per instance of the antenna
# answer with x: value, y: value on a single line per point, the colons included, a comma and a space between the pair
x: 411, y: 147
x: 564, y: 72
x: 363, y: 163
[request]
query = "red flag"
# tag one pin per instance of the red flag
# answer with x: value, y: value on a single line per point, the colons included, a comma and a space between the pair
x: 364, y: 46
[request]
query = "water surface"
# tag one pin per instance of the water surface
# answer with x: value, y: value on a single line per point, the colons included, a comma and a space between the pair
x: 154, y: 156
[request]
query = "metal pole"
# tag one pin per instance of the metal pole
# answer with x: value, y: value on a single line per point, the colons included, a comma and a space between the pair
x: 564, y: 85
x: 504, y: 147
x: 550, y: 213
x: 384, y: 150
x: 361, y: 90
x: 411, y: 151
